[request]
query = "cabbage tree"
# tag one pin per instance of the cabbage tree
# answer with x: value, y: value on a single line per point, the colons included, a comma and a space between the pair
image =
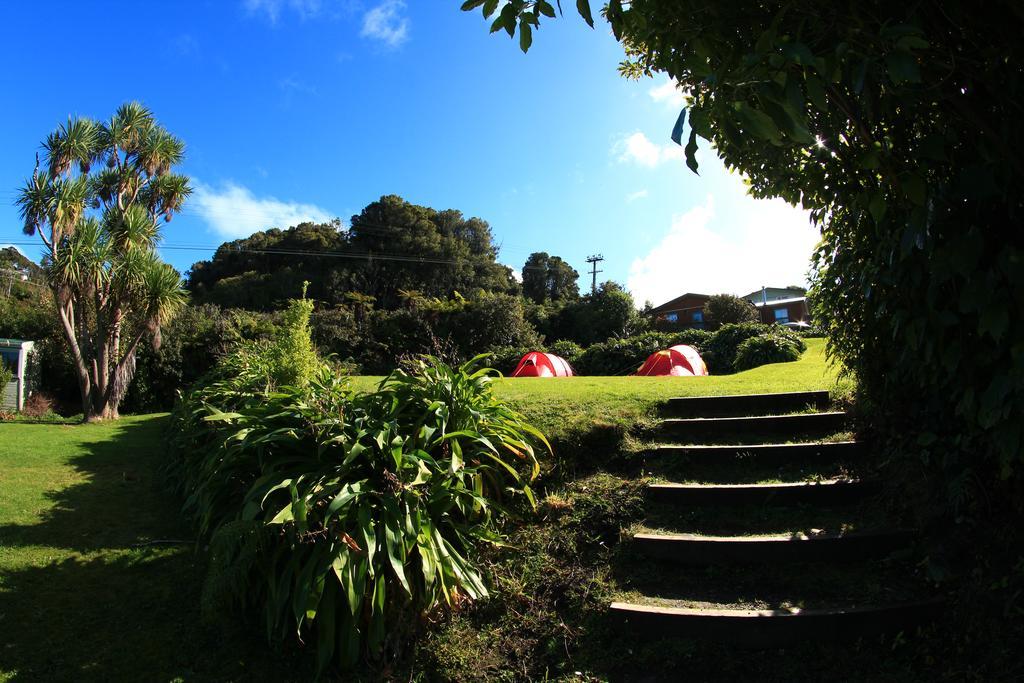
x: 98, y: 202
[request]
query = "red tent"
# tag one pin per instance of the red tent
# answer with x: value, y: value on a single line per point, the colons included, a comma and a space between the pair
x: 537, y: 364
x: 678, y: 361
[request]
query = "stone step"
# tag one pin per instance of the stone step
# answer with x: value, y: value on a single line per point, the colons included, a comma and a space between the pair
x: 768, y: 454
x: 790, y: 426
x: 833, y: 492
x: 747, y: 404
x: 775, y: 628
x: 798, y: 547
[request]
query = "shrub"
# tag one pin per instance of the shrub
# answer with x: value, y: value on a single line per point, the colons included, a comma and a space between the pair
x: 723, y: 309
x: 770, y: 347
x: 506, y: 358
x: 486, y: 321
x: 624, y: 356
x: 720, y: 352
x: 348, y: 516
x: 569, y: 350
x: 293, y: 360
x: 37, y: 405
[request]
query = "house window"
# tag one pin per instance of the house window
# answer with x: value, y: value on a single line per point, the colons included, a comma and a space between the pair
x: 698, y: 316
x: 782, y: 315
x: 671, y: 317
x: 9, y: 359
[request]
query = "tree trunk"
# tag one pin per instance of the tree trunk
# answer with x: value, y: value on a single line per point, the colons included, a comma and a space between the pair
x: 81, y: 371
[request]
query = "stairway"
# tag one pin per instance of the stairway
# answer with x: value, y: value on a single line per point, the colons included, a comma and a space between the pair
x: 762, y: 531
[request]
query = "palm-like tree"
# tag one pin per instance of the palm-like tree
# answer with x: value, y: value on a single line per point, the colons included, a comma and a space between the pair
x: 100, y: 229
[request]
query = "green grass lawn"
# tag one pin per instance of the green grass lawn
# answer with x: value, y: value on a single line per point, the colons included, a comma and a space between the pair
x: 82, y: 597
x: 566, y: 407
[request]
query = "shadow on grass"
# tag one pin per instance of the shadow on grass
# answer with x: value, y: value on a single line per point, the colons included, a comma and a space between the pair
x: 80, y: 600
x: 119, y: 501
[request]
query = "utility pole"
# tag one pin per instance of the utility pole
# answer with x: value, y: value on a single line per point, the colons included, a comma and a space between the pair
x: 593, y: 261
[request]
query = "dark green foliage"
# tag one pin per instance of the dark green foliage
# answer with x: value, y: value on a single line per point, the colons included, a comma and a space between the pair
x: 506, y: 358
x: 608, y: 312
x: 490, y: 320
x: 261, y: 271
x: 551, y: 590
x: 723, y: 309
x: 419, y: 250
x: 347, y: 517
x: 770, y: 347
x: 549, y: 279
x: 896, y: 125
x: 568, y: 350
x: 194, y: 342
x: 720, y: 352
x: 625, y: 356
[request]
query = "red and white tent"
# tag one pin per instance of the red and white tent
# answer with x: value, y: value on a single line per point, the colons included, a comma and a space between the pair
x: 536, y: 364
x: 677, y: 361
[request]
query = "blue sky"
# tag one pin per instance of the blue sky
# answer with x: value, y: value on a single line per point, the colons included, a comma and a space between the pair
x: 295, y: 109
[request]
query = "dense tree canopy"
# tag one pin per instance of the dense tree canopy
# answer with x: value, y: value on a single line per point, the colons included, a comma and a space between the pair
x: 722, y: 309
x: 549, y: 279
x: 393, y: 250
x: 268, y: 267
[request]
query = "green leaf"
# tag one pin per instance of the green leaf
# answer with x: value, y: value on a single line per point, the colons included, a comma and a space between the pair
x: 394, y: 543
x: 489, y: 7
x: 456, y: 460
x: 525, y: 36
x: 902, y: 67
x: 508, y: 20
x: 915, y: 188
x: 787, y: 123
x: 994, y: 322
x: 583, y: 7
x: 325, y: 629
x: 471, y: 5
x: 691, y: 151
x: 545, y: 8
x: 757, y: 123
x: 816, y: 92
x: 877, y: 206
x: 348, y: 493
x: 285, y: 514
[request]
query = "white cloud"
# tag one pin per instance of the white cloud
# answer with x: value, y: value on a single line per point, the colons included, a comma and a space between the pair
x: 639, y: 194
x: 638, y: 149
x: 762, y: 242
x: 271, y: 9
x: 386, y: 23
x: 668, y: 92
x: 516, y: 273
x: 233, y: 211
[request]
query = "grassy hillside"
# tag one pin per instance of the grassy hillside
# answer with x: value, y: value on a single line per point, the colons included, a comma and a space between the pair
x: 82, y: 597
x: 89, y: 591
x: 581, y: 414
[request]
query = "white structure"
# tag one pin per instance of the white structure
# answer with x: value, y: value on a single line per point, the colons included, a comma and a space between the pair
x: 14, y: 355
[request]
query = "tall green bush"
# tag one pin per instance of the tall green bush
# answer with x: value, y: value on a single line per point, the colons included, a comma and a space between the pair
x: 347, y: 517
x: 6, y: 375
x: 720, y: 352
x: 624, y: 356
x: 770, y: 347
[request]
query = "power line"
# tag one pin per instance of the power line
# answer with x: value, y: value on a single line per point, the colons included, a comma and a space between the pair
x: 368, y: 256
